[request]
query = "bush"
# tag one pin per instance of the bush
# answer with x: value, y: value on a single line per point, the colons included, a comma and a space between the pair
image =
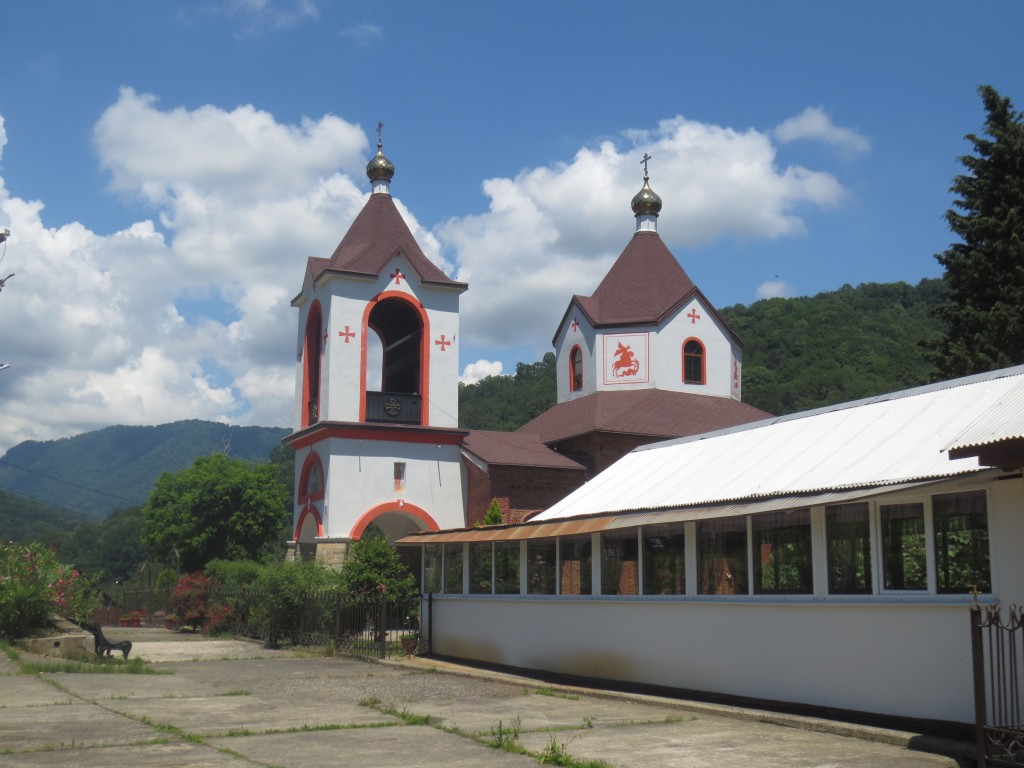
x: 373, y: 568
x: 190, y: 599
x: 34, y: 586
x: 234, y: 574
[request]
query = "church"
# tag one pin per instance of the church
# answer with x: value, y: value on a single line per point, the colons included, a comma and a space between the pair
x: 645, y: 358
x: 658, y: 531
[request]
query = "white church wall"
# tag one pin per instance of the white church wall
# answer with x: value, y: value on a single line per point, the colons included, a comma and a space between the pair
x: 582, y: 335
x: 360, y: 475
x: 905, y: 659
x: 693, y: 320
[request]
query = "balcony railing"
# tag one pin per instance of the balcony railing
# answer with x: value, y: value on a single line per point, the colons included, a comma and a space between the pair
x: 393, y: 407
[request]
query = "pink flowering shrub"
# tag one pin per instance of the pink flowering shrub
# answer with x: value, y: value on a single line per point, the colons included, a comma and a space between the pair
x: 34, y: 586
x: 190, y: 599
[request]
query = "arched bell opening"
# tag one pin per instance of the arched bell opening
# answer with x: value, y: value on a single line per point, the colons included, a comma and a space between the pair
x: 399, y: 325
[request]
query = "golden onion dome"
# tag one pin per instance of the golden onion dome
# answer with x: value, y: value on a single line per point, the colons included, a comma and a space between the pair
x: 380, y: 168
x: 646, y: 200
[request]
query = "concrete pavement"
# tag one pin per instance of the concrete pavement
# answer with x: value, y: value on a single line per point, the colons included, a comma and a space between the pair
x: 229, y: 704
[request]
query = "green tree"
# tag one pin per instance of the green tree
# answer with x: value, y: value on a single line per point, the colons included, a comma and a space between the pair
x: 505, y: 403
x: 985, y: 273
x: 374, y: 568
x: 218, y: 508
x: 493, y: 514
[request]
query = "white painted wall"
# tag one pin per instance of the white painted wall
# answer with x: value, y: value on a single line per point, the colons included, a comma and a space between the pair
x: 664, y: 358
x: 360, y: 476
x: 909, y: 659
x: 903, y: 654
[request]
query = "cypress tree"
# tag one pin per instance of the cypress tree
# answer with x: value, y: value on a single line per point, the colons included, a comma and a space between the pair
x: 985, y: 272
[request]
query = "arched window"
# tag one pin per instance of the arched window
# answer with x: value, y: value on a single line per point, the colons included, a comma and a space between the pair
x: 575, y: 369
x: 693, y: 362
x: 311, y: 374
x: 311, y: 479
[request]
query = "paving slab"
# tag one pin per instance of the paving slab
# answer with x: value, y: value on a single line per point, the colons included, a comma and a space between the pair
x: 174, y: 755
x: 224, y: 714
x: 407, y: 746
x: 536, y: 712
x: 24, y: 691
x: 81, y: 726
x: 702, y: 742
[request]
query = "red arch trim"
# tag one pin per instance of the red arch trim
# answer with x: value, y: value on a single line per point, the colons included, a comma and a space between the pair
x: 392, y: 506
x: 309, y: 510
x: 312, y: 460
x: 572, y: 369
x: 703, y: 360
x: 312, y: 348
x: 424, y: 352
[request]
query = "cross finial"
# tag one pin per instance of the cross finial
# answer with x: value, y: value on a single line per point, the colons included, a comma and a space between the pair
x: 644, y: 161
x: 380, y: 130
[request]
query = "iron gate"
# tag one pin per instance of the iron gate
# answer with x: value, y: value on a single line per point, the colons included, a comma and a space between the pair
x: 997, y: 648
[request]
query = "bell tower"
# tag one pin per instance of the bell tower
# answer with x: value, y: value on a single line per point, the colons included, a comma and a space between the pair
x: 376, y: 434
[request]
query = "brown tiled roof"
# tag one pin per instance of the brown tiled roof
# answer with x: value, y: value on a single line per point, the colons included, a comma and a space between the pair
x: 377, y: 234
x: 644, y: 284
x: 521, y: 449
x: 656, y: 412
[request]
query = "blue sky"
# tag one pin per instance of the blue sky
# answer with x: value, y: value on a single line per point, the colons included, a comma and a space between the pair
x: 166, y: 168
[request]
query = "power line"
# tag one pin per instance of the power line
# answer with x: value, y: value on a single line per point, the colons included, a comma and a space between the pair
x: 68, y: 482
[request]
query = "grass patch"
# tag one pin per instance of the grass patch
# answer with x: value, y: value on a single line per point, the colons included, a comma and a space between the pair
x: 108, y: 666
x: 549, y: 691
x: 238, y: 692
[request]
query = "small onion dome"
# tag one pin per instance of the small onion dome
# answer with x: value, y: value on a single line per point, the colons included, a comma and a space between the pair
x: 380, y: 168
x: 646, y: 200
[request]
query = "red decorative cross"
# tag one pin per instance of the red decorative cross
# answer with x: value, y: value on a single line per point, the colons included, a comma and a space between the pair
x: 397, y: 275
x: 694, y: 317
x: 575, y: 324
x: 443, y: 342
x: 346, y: 334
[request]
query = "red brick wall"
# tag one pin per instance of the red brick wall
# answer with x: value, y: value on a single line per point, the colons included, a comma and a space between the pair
x: 519, y: 490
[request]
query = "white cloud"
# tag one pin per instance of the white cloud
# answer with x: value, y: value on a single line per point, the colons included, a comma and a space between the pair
x: 814, y: 124
x: 554, y: 231
x: 774, y: 289
x: 362, y: 35
x: 481, y: 369
x: 240, y: 200
x: 259, y: 16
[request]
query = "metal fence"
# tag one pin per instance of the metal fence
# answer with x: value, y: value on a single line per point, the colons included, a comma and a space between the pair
x: 370, y: 626
x: 997, y: 647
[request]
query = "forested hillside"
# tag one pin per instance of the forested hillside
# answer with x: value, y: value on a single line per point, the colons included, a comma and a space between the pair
x: 836, y: 346
x: 97, y: 472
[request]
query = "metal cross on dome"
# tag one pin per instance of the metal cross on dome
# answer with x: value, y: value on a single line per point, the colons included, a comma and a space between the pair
x: 646, y: 157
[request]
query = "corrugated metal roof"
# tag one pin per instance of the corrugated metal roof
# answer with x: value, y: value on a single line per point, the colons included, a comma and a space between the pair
x: 882, y: 441
x: 1003, y: 422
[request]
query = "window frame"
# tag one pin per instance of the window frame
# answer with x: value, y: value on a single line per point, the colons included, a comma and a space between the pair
x: 576, y: 368
x: 702, y: 356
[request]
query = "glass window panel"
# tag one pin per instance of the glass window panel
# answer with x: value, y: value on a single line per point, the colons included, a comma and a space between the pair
x: 961, y: 542
x: 848, y: 546
x: 506, y: 567
x: 432, y: 568
x: 664, y: 559
x: 453, y: 569
x: 619, y: 567
x: 782, y: 553
x: 722, y: 556
x: 904, y: 559
x: 480, y: 563
x: 541, y: 567
x: 575, y: 565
